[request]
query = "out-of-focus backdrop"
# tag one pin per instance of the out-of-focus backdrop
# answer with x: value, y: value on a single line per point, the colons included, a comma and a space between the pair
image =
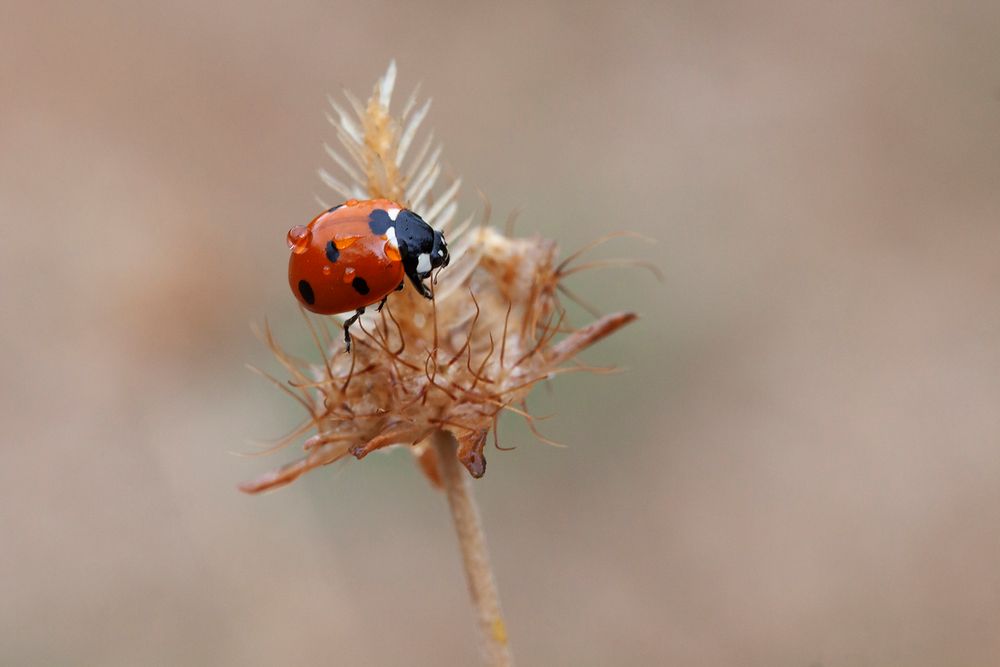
x: 800, y: 467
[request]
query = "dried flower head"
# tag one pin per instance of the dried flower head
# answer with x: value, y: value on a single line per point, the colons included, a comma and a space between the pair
x: 494, y: 329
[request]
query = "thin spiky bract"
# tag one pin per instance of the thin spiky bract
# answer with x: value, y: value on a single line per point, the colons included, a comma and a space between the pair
x: 494, y: 329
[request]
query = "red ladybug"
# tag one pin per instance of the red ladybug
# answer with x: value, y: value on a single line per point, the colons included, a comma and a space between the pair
x: 355, y: 254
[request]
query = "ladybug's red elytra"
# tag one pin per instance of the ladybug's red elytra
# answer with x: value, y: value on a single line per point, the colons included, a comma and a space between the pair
x: 355, y: 254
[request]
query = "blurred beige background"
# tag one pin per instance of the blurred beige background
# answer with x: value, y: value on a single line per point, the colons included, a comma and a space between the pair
x: 801, y: 466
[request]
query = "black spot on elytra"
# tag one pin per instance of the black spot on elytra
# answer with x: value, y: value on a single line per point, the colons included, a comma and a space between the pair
x: 360, y: 285
x: 379, y: 221
x: 331, y: 251
x: 306, y: 290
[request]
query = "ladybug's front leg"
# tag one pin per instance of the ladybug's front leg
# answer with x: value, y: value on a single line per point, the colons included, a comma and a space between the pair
x: 418, y: 282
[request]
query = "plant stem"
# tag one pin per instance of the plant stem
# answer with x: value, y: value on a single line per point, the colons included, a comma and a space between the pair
x: 475, y: 557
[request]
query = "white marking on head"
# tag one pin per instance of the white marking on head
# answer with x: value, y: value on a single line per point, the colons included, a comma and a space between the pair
x: 440, y: 253
x: 393, y: 212
x: 423, y: 263
x: 391, y: 235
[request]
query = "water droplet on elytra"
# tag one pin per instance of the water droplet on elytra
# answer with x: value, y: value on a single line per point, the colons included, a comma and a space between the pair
x: 298, y: 239
x: 345, y: 241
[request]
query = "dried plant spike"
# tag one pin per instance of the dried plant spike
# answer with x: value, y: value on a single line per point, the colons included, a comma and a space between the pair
x: 499, y: 292
x: 433, y: 375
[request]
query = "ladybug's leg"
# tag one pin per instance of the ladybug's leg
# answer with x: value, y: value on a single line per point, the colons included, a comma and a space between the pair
x: 347, y: 326
x: 418, y: 282
x: 399, y: 288
x: 381, y: 303
x: 424, y: 292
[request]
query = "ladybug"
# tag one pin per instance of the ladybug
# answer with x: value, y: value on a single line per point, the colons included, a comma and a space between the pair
x: 355, y: 254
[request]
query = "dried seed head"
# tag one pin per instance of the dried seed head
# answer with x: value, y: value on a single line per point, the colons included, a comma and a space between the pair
x: 453, y: 363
